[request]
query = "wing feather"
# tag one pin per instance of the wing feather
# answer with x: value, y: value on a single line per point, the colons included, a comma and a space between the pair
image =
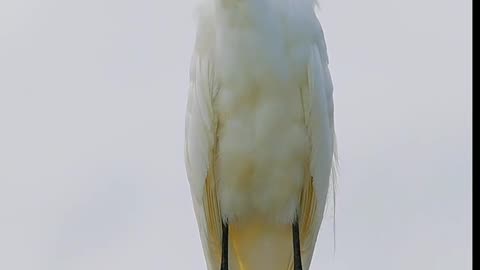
x: 317, y: 96
x: 200, y: 142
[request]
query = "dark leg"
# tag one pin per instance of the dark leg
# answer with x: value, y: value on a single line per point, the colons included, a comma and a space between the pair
x: 224, y: 264
x: 297, y: 258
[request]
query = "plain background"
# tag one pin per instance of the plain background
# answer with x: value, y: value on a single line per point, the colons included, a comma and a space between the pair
x: 92, y: 101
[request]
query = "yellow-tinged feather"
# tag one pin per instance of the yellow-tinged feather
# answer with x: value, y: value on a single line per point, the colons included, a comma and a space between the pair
x: 213, y: 218
x: 309, y: 220
x: 255, y: 243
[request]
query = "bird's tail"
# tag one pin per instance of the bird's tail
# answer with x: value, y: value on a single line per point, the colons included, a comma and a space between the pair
x: 258, y: 245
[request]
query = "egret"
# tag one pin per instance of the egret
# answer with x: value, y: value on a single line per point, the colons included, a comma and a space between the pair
x: 259, y: 133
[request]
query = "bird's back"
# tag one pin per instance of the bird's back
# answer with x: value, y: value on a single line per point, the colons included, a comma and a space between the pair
x: 258, y: 54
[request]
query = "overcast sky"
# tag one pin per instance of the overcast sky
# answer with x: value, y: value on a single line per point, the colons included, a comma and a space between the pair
x: 92, y: 100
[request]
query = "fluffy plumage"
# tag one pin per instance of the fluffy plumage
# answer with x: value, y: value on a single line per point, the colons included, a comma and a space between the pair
x: 259, y: 145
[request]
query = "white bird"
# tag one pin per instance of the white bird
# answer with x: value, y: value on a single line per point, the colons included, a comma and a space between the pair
x: 260, y: 139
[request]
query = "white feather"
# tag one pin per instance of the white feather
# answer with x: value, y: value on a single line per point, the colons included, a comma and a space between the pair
x: 261, y: 96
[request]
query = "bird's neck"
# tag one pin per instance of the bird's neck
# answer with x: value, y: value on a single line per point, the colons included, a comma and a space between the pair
x: 243, y: 12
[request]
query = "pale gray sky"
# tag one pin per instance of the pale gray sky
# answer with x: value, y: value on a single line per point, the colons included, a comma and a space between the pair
x: 92, y: 99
